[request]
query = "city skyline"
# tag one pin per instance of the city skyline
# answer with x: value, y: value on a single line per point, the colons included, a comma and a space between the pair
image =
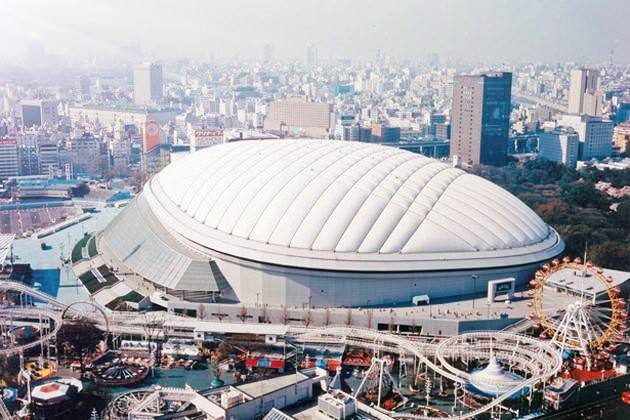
x: 458, y: 31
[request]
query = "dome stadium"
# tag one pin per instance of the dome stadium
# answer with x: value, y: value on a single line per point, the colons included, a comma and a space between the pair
x: 323, y: 223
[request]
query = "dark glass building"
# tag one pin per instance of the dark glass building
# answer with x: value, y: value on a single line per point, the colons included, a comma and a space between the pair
x: 480, y: 118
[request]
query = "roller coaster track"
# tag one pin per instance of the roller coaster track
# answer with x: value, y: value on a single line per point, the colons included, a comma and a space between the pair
x: 396, y: 344
x: 114, y: 322
x: 541, y: 360
x: 31, y: 313
x: 4, y: 411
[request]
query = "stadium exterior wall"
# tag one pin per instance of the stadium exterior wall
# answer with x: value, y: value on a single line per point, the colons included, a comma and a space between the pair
x: 254, y: 282
x: 257, y: 283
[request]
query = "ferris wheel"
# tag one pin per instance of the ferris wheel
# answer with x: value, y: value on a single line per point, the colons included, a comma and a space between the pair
x: 576, y: 306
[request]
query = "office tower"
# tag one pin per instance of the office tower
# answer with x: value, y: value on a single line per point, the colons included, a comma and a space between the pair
x: 9, y: 161
x: 49, y: 159
x: 84, y: 155
x: 584, y: 98
x: 622, y: 114
x: 298, y: 117
x: 28, y: 159
x: 435, y: 119
x: 38, y: 112
x: 120, y: 151
x: 82, y: 86
x: 147, y: 83
x: 268, y: 54
x: 621, y: 138
x: 311, y: 57
x: 560, y: 146
x: 382, y: 133
x: 595, y: 135
x: 480, y: 118
x: 442, y: 131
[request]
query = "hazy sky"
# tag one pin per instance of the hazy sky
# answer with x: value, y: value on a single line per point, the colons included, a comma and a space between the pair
x: 469, y: 30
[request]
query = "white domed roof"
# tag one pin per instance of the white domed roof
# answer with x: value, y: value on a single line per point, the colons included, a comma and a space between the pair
x: 493, y: 379
x: 317, y: 197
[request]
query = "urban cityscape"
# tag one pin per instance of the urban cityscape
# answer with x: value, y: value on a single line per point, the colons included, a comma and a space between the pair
x: 232, y: 210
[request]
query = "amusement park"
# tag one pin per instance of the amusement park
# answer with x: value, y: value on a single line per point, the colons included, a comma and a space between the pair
x: 310, y: 301
x: 89, y: 361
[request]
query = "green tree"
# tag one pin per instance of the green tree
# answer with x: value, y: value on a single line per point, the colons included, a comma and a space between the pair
x: 611, y: 254
x: 583, y: 194
x: 622, y: 215
x: 79, y: 339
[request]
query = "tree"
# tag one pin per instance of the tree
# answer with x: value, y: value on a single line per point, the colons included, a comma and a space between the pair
x: 611, y: 254
x: 623, y: 214
x: 583, y: 194
x: 349, y: 317
x: 264, y: 317
x: 307, y: 318
x: 392, y: 321
x: 370, y: 318
x: 327, y: 316
x: 553, y: 212
x: 243, y: 314
x: 9, y: 368
x: 284, y: 316
x: 79, y: 339
x: 201, y: 311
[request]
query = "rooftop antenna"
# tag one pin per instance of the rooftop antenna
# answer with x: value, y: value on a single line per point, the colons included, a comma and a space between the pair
x: 585, y: 249
x: 584, y: 274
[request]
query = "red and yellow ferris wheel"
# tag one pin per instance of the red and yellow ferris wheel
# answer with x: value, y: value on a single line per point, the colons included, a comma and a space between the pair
x: 576, y: 305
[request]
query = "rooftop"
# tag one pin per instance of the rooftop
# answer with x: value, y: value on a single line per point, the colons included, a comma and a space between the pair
x: 260, y: 388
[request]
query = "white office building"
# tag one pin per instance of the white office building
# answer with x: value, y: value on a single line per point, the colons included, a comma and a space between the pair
x: 560, y: 146
x: 147, y: 83
x: 595, y: 135
x: 584, y: 98
x: 9, y: 161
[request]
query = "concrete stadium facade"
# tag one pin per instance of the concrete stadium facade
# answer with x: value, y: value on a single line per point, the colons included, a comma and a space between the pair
x: 324, y: 224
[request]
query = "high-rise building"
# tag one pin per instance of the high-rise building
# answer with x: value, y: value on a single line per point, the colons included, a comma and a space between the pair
x: 82, y: 86
x: 120, y: 151
x: 49, y: 159
x: 622, y: 114
x: 298, y: 117
x: 382, y: 133
x: 147, y: 83
x: 268, y: 54
x: 560, y: 146
x: 38, y: 112
x: 9, y: 160
x: 480, y: 118
x: 442, y: 131
x: 621, y: 138
x: 311, y: 57
x: 584, y: 98
x: 595, y: 135
x: 84, y: 154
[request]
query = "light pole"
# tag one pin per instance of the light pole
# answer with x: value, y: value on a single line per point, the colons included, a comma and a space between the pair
x: 474, y: 278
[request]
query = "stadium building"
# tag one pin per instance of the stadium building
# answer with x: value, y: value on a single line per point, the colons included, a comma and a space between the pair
x: 323, y: 223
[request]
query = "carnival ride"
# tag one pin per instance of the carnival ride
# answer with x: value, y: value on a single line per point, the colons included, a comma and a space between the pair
x: 531, y: 360
x: 576, y: 306
x: 536, y: 360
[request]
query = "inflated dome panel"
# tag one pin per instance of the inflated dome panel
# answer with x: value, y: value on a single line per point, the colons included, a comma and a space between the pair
x: 345, y: 197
